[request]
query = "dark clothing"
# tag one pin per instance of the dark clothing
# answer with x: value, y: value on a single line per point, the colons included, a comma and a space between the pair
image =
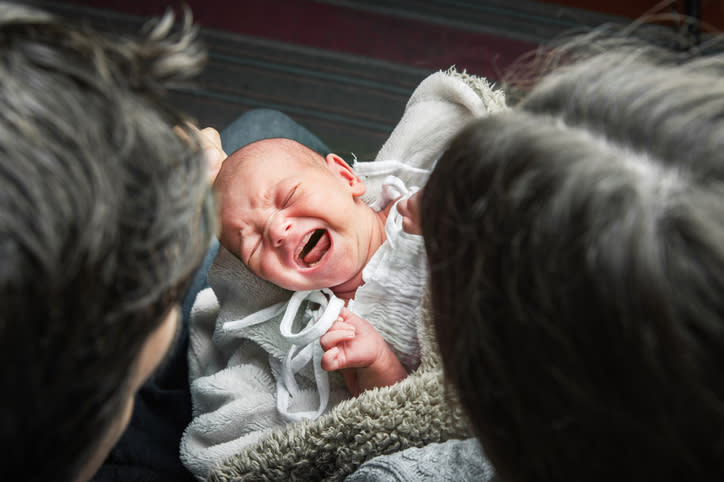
x: 148, y: 451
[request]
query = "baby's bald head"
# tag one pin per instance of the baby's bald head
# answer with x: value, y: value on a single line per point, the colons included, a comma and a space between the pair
x: 262, y: 153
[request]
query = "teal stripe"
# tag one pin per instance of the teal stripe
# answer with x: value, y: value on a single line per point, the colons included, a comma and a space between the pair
x: 290, y: 109
x: 312, y: 73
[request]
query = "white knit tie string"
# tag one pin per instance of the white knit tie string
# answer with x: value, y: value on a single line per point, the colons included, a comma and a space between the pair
x: 305, y: 346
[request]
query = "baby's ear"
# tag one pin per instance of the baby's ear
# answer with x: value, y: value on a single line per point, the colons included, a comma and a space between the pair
x: 339, y: 167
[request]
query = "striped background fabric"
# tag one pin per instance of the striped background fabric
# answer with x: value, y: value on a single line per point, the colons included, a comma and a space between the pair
x: 344, y: 69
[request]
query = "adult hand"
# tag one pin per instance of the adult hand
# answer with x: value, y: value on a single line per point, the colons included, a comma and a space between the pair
x: 410, y: 210
x: 214, y: 153
x: 211, y: 145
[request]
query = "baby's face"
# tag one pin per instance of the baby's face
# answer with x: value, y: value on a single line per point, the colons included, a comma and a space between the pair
x: 294, y: 219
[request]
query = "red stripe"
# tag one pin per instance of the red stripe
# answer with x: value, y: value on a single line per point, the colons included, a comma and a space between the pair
x: 341, y: 29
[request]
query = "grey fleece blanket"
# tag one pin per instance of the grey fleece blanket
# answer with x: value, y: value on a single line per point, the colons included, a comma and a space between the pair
x: 413, y: 413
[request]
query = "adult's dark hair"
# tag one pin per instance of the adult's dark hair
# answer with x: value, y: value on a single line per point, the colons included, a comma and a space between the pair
x: 100, y: 226
x: 576, y: 250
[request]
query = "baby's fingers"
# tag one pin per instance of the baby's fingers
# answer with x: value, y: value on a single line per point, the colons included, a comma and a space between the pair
x: 333, y: 359
x: 334, y: 338
x: 338, y: 333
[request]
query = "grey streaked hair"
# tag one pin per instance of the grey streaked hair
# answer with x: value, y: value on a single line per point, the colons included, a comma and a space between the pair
x: 576, y: 248
x: 101, y: 224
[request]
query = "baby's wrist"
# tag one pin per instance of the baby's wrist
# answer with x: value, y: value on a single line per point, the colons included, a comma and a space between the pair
x: 387, y: 361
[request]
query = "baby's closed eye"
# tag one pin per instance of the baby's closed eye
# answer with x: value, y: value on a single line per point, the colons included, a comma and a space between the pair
x: 290, y: 196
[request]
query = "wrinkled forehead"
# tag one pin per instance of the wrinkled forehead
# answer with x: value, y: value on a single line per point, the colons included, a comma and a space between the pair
x: 252, y: 172
x: 267, y: 159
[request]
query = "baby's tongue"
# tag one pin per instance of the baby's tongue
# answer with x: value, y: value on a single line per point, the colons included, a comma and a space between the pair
x: 316, y: 253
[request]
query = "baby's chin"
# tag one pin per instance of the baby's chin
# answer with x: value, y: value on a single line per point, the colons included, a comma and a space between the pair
x: 296, y: 284
x: 348, y: 288
x: 339, y: 285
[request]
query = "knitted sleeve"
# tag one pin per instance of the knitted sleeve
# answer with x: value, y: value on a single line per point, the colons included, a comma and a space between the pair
x: 451, y: 461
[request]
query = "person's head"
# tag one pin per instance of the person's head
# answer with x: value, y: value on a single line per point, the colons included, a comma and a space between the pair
x: 294, y: 217
x: 101, y: 224
x: 576, y: 251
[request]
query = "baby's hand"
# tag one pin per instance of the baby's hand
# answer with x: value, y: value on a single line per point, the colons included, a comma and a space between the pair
x: 410, y: 210
x: 355, y: 347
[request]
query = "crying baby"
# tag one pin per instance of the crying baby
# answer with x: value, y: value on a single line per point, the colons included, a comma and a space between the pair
x: 297, y: 219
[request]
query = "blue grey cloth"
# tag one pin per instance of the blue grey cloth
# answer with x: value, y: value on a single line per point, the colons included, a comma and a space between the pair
x: 258, y: 124
x: 453, y: 461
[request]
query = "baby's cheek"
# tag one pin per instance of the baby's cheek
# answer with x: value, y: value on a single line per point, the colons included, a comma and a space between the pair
x: 271, y: 271
x: 263, y: 270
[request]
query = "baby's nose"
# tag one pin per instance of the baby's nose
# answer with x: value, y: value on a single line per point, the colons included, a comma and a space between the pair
x: 279, y: 230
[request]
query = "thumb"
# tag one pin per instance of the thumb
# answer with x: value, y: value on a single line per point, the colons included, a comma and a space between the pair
x: 213, y: 151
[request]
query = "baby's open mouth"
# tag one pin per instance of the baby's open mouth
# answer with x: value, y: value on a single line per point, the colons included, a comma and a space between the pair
x: 316, y: 245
